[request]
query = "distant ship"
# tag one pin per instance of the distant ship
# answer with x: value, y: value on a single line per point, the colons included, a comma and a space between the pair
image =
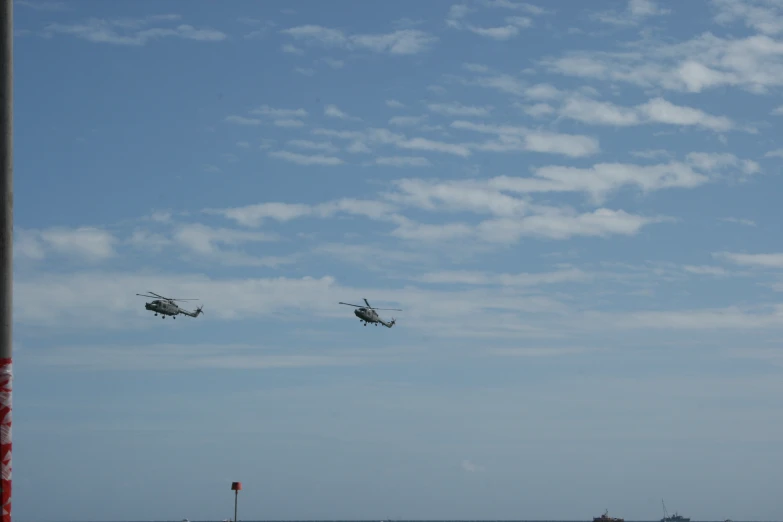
x: 606, y: 518
x: 676, y: 517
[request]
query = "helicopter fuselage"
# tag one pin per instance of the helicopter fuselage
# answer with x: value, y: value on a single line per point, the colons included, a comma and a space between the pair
x: 162, y: 308
x: 366, y: 315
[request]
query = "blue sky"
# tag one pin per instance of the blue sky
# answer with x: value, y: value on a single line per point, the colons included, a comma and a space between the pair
x: 575, y: 205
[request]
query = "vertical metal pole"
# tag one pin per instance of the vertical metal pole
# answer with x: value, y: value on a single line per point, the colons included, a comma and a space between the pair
x: 6, y: 250
x: 236, y: 498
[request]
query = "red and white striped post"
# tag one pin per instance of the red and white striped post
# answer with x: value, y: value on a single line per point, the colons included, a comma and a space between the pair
x: 236, y: 487
x: 6, y: 249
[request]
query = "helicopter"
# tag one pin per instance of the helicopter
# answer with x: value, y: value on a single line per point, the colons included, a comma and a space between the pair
x: 167, y: 306
x: 367, y: 314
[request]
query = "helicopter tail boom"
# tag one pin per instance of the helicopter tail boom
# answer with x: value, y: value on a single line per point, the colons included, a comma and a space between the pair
x: 199, y: 310
x: 390, y: 323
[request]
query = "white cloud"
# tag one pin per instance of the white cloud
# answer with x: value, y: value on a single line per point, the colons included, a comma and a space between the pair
x: 497, y: 33
x: 400, y: 42
x: 662, y: 111
x: 172, y: 357
x: 705, y: 62
x: 305, y: 71
x: 242, y: 120
x: 201, y: 239
x: 705, y: 270
x: 358, y: 147
x: 88, y: 244
x: 334, y: 112
x: 777, y: 153
x: 266, y: 110
x: 523, y: 279
x: 470, y: 467
x: 636, y: 11
x: 43, y: 5
x: 475, y: 67
x: 291, y: 49
x: 407, y: 121
x: 107, y: 300
x: 255, y: 215
x: 764, y: 16
x: 302, y: 159
x: 403, y: 161
x: 741, y: 221
x: 757, y: 260
x: 538, y: 110
x: 243, y: 144
x: 394, y: 104
x: 133, y: 31
x: 386, y: 137
x: 287, y: 123
x: 512, y: 138
x: 458, y: 13
x: 313, y: 145
x: 517, y: 6
x: 458, y: 109
x: 657, y: 110
x: 602, y: 179
x: 334, y: 63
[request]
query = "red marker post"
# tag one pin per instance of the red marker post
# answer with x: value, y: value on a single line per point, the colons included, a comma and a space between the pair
x: 6, y: 248
x: 236, y: 487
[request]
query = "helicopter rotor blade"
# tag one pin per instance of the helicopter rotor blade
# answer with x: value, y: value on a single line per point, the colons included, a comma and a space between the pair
x: 395, y: 309
x: 367, y: 303
x: 349, y: 304
x: 167, y: 298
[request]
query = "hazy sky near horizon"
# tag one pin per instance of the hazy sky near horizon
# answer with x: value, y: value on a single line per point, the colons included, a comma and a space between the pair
x: 576, y: 205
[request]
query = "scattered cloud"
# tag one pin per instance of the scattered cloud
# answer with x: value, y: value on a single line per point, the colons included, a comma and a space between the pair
x: 657, y: 110
x: 334, y: 63
x: 313, y: 145
x: 266, y: 110
x: 757, y: 260
x: 291, y: 49
x: 133, y: 31
x: 470, y: 467
x: 202, y: 239
x: 705, y: 62
x: 394, y: 104
x: 741, y: 221
x: 88, y: 244
x: 400, y: 42
x: 407, y: 121
x: 172, y: 357
x: 458, y: 109
x: 524, y: 279
x: 333, y: 111
x: 403, y: 161
x: 763, y: 16
x: 43, y: 5
x: 303, y: 159
x: 512, y: 138
x: 288, y: 123
x: 635, y: 12
x: 242, y: 120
